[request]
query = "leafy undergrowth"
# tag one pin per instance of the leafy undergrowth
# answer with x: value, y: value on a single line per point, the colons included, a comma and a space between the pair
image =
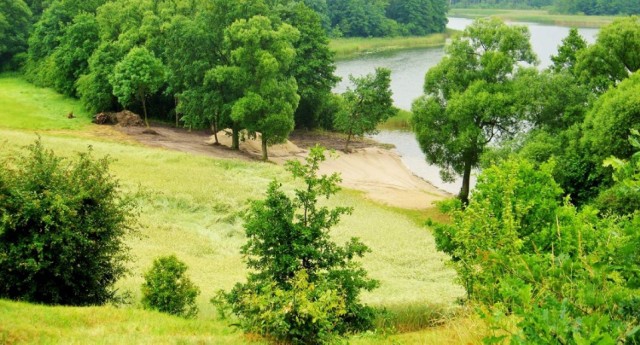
x: 191, y: 206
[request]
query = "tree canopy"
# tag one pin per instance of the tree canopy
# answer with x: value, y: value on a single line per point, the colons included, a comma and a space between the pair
x: 260, y: 70
x: 367, y: 105
x: 136, y: 76
x: 470, y: 99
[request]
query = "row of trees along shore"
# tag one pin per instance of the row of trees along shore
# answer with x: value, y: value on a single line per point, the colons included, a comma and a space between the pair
x: 260, y: 66
x: 588, y: 7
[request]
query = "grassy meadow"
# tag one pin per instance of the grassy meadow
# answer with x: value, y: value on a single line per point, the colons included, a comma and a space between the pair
x: 191, y: 206
x: 349, y: 47
x: 535, y: 16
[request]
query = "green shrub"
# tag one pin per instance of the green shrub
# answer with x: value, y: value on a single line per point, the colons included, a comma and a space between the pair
x: 570, y: 276
x: 62, y: 227
x: 167, y: 289
x: 304, y: 288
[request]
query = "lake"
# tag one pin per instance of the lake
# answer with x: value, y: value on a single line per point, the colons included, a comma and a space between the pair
x: 408, y: 68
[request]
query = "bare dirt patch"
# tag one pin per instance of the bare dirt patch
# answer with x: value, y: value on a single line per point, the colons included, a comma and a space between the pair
x: 370, y: 167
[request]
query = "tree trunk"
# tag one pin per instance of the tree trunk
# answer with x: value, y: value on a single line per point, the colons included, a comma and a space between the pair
x: 346, y: 147
x: 466, y: 177
x: 144, y: 108
x: 235, y: 137
x: 175, y: 100
x: 264, y: 148
x: 214, y: 129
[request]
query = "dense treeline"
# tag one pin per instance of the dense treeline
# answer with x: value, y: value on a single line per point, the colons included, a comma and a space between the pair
x: 550, y: 233
x: 260, y: 66
x: 588, y: 7
x: 378, y: 18
x: 225, y: 64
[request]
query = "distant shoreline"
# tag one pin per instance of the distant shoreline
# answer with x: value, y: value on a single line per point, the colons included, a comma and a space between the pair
x: 346, y: 48
x: 534, y: 16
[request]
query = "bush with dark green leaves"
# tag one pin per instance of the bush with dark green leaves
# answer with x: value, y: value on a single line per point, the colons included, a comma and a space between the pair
x: 303, y: 288
x: 167, y: 289
x: 62, y: 228
x: 570, y: 276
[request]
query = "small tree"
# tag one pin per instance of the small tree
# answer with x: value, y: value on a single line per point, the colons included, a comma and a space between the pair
x: 62, y: 227
x: 368, y: 104
x: 167, y: 289
x: 138, y: 75
x: 304, y: 288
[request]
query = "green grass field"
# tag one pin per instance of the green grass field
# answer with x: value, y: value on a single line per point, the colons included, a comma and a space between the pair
x: 191, y: 206
x: 402, y: 121
x: 535, y: 16
x: 350, y: 47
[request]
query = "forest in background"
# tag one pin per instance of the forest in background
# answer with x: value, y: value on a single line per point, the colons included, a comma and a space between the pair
x: 588, y: 7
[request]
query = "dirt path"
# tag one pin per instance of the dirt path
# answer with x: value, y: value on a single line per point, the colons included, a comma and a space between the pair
x: 370, y: 168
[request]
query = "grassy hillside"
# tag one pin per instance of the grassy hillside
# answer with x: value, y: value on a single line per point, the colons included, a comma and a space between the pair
x: 191, y: 206
x: 535, y: 16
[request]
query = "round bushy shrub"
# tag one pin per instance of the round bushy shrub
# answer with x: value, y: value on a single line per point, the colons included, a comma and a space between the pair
x: 167, y: 289
x: 62, y: 227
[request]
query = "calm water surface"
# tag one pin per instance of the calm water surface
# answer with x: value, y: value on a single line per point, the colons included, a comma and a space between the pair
x: 408, y: 68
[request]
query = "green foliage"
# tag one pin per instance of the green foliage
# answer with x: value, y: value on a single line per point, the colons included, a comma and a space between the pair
x: 138, y: 75
x: 553, y: 101
x: 511, y: 202
x: 366, y: 106
x: 598, y: 7
x: 419, y: 17
x: 15, y: 23
x: 607, y: 125
x: 568, y: 52
x: 614, y: 56
x: 303, y: 288
x: 261, y: 57
x: 167, y: 289
x: 470, y: 99
x: 500, y: 3
x: 313, y: 66
x: 62, y: 229
x: 568, y: 275
x: 47, y: 35
x: 71, y: 57
x: 623, y: 197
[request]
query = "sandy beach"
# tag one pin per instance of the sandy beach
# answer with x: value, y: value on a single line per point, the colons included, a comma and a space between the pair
x: 376, y: 171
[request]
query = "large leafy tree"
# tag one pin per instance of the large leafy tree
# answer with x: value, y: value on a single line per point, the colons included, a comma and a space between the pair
x: 138, y: 75
x: 366, y: 105
x: 470, y: 98
x: 15, y: 22
x: 260, y: 69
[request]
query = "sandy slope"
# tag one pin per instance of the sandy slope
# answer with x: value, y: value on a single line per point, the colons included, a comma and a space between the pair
x: 377, y: 172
